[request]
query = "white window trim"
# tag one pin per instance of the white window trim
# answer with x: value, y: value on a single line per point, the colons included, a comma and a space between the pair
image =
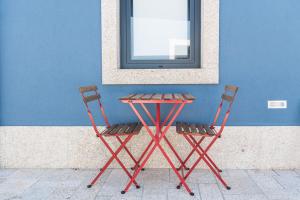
x: 111, y: 69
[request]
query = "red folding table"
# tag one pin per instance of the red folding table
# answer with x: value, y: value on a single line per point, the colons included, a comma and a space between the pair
x: 162, y: 126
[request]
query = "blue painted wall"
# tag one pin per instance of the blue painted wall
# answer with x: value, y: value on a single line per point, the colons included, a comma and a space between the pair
x: 49, y: 48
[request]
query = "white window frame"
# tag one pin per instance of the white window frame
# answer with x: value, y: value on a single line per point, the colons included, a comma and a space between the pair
x: 208, y: 73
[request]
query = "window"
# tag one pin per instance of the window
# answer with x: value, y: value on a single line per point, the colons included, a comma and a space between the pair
x: 160, y: 34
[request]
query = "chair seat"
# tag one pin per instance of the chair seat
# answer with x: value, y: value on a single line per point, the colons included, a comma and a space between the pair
x: 123, y: 129
x: 194, y: 129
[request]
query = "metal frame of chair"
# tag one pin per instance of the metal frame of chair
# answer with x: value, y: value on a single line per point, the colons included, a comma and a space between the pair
x: 118, y: 130
x: 190, y: 131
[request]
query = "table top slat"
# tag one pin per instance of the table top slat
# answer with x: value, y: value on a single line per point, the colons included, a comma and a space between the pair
x: 178, y: 96
x: 168, y: 96
x: 127, y: 97
x: 157, y: 97
x: 137, y: 97
x: 188, y: 97
x: 147, y: 96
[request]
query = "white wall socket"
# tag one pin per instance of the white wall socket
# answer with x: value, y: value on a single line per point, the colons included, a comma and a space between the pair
x: 277, y: 104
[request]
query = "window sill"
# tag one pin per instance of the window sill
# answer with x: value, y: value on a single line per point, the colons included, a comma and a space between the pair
x: 161, y: 76
x: 113, y: 74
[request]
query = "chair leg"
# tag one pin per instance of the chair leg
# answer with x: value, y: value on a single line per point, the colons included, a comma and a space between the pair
x: 114, y: 156
x: 129, y: 153
x: 190, y: 154
x: 206, y: 155
x: 202, y: 155
x: 137, y: 171
x: 102, y: 170
x: 176, y: 154
x: 193, y: 150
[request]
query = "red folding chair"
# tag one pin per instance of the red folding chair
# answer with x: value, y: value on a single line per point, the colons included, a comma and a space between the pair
x: 190, y: 131
x: 116, y: 130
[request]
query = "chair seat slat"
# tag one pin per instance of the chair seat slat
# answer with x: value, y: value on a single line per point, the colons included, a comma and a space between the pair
x: 201, y: 129
x: 106, y: 131
x: 208, y: 130
x: 186, y: 128
x: 123, y: 129
x: 178, y: 128
x: 131, y: 127
x: 194, y: 129
x: 116, y: 130
x: 137, y: 128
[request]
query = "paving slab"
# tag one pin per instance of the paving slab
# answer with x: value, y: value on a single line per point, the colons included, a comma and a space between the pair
x: 156, y: 184
x: 210, y: 192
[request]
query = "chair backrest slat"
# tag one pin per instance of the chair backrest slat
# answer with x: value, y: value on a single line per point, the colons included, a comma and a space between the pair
x: 227, y: 98
x: 88, y: 88
x: 232, y: 88
x: 91, y: 98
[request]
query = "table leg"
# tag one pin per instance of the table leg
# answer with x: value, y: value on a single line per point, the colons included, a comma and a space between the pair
x: 157, y: 121
x: 157, y: 138
x: 176, y: 154
x: 143, y: 154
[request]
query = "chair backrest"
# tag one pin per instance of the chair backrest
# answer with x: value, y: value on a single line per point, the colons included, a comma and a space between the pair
x: 94, y: 96
x: 228, y: 96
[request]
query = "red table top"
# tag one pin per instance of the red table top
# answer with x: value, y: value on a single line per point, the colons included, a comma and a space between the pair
x: 158, y: 98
